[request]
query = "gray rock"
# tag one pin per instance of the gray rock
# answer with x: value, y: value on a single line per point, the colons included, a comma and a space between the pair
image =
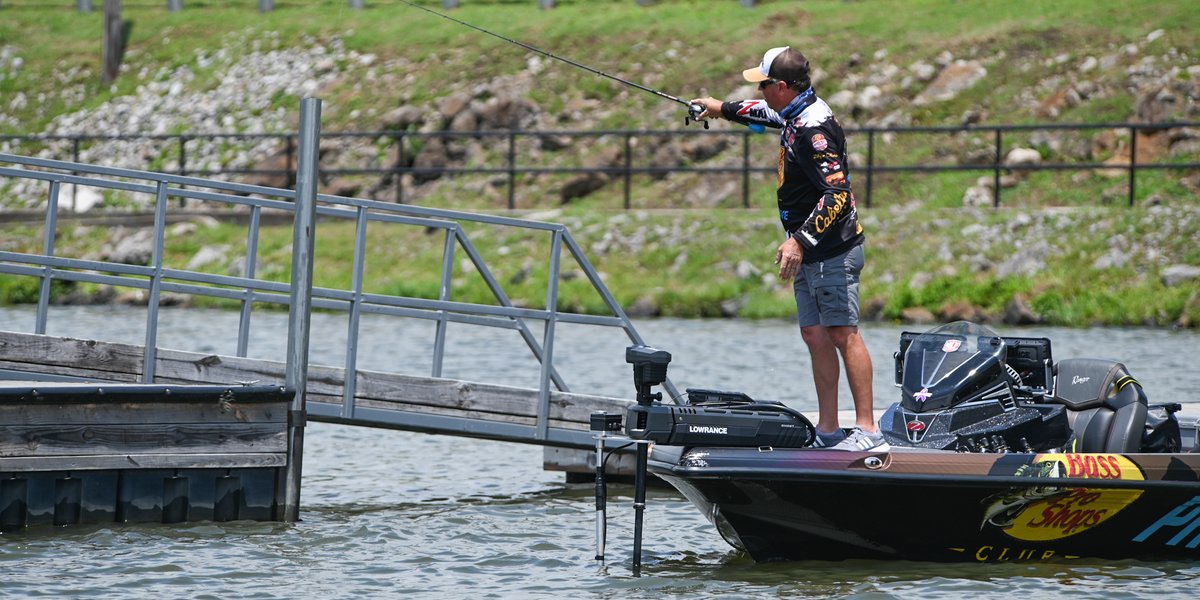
x: 745, y: 269
x: 917, y: 315
x: 403, y: 117
x: 954, y: 78
x: 1022, y: 156
x: 133, y: 249
x: 978, y: 196
x: 1018, y: 312
x: 207, y: 255
x: 1179, y: 274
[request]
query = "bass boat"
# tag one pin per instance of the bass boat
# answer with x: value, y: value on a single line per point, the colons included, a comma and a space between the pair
x: 994, y: 453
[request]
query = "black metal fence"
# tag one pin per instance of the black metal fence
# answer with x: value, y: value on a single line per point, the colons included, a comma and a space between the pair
x: 753, y: 149
x: 269, y: 5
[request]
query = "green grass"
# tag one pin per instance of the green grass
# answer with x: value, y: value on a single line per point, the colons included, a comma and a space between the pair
x: 679, y: 47
x: 683, y: 48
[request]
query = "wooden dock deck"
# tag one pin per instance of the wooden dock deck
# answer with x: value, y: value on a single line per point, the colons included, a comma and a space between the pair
x: 387, y: 400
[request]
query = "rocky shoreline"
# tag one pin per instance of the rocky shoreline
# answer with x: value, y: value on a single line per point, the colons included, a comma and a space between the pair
x: 230, y: 91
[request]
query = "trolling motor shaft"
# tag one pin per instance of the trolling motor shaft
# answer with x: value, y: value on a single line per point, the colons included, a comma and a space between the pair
x: 649, y: 370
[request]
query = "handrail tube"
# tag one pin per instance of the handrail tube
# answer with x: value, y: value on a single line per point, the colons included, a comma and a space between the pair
x: 439, y: 334
x: 248, y: 270
x: 150, y: 348
x: 543, y: 408
x: 349, y: 386
x: 49, y: 236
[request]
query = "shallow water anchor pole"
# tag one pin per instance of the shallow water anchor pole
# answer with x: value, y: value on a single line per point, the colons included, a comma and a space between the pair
x: 601, y: 424
x: 639, y: 503
x: 601, y: 498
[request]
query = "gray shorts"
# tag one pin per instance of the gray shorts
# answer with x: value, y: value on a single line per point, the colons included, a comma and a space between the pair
x: 827, y: 291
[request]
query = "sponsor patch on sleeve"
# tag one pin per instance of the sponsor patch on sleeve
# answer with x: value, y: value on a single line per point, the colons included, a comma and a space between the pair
x: 748, y: 105
x: 819, y: 142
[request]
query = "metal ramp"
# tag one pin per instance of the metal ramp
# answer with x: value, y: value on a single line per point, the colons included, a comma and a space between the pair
x: 544, y: 415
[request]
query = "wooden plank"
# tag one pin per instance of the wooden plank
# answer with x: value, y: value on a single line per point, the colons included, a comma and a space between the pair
x: 143, y: 461
x: 49, y: 440
x: 70, y: 371
x: 376, y: 389
x: 50, y: 351
x: 178, y: 413
x: 393, y: 405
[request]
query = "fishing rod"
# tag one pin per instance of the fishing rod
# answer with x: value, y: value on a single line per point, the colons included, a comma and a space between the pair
x: 694, y: 110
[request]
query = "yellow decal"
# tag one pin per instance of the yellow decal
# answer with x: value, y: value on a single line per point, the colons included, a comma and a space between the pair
x: 822, y: 222
x: 1006, y: 554
x: 779, y: 175
x: 1074, y: 510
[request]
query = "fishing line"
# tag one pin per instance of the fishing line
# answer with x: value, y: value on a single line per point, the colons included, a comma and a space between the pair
x: 693, y: 109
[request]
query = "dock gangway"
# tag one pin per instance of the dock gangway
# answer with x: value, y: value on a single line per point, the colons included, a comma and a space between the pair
x: 551, y: 415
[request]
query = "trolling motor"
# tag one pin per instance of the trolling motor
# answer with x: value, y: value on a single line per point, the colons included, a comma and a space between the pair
x: 649, y: 370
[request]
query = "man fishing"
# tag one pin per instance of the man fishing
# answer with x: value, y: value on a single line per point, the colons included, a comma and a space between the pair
x: 823, y: 253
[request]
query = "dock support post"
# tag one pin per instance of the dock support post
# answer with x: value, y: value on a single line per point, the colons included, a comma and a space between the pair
x: 299, y: 313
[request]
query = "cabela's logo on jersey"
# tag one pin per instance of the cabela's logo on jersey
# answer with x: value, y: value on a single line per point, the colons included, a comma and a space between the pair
x: 1050, y: 512
x: 819, y: 142
x: 779, y: 171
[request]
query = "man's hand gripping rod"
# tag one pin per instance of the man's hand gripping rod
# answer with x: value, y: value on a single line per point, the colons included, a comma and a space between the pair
x: 694, y: 110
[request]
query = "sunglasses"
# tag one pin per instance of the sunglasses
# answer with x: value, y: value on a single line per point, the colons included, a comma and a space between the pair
x: 762, y: 85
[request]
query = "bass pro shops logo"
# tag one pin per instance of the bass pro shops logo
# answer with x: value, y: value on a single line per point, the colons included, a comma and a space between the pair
x: 1050, y: 512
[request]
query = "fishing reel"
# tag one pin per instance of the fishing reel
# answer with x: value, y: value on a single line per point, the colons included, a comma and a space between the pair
x: 694, y: 111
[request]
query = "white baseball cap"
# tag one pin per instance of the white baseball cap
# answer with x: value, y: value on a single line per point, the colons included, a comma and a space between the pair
x: 763, y: 71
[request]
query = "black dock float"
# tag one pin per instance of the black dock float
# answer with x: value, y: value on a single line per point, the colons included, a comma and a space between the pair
x: 102, y: 452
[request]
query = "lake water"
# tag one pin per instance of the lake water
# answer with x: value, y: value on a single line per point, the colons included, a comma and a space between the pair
x: 396, y: 514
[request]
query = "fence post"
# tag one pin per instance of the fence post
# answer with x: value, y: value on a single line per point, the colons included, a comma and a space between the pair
x: 174, y: 5
x: 746, y: 169
x: 356, y: 4
x: 74, y: 159
x: 183, y: 155
x: 1132, y: 162
x: 398, y: 170
x: 289, y: 151
x: 84, y: 6
x: 112, y: 40
x: 996, y: 170
x: 512, y: 169
x: 544, y: 4
x: 448, y: 4
x: 299, y: 309
x: 266, y: 5
x: 628, y: 167
x: 870, y: 163
x: 748, y: 3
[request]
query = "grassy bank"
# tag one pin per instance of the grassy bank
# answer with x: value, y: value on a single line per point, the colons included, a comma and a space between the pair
x: 1056, y: 246
x: 682, y: 47
x: 1060, y: 264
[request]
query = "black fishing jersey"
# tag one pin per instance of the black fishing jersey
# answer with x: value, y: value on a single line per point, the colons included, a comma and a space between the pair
x: 816, y: 204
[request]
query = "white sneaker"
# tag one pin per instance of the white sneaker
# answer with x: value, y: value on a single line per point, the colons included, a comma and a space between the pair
x: 861, y: 440
x: 828, y: 440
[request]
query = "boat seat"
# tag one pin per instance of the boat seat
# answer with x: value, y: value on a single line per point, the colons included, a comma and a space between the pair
x: 1106, y: 405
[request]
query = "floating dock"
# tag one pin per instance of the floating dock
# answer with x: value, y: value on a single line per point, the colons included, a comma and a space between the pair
x: 73, y: 453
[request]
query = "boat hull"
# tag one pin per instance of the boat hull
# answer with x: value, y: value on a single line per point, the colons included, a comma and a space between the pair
x: 809, y: 504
